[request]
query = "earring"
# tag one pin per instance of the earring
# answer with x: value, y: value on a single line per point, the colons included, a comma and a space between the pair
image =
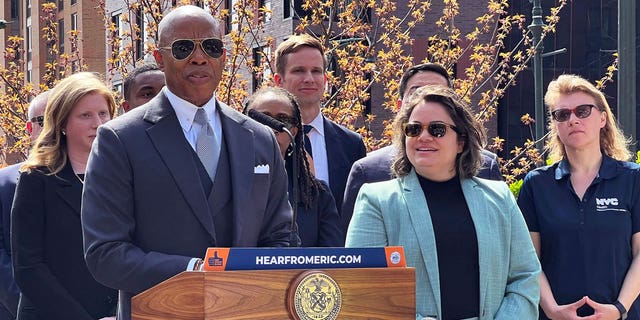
x: 64, y: 133
x: 289, y: 151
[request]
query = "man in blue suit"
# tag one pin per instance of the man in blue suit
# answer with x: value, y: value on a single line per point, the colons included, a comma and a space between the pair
x: 180, y: 173
x: 300, y: 68
x: 376, y: 166
x: 9, y: 292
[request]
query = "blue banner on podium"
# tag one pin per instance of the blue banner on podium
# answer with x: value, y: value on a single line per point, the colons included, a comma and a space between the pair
x: 221, y: 259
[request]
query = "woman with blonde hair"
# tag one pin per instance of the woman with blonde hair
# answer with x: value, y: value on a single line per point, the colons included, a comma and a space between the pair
x: 583, y: 211
x: 46, y: 234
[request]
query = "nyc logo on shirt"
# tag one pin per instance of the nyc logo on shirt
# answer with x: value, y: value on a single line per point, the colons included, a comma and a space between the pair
x: 608, y: 204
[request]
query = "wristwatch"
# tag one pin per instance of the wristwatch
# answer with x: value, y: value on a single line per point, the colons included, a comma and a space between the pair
x: 621, y: 308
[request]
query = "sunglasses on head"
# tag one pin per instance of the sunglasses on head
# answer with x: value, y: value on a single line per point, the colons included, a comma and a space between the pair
x: 183, y: 48
x: 436, y: 129
x: 563, y: 114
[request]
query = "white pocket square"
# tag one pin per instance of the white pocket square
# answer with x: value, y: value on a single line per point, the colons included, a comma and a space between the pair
x: 261, y: 169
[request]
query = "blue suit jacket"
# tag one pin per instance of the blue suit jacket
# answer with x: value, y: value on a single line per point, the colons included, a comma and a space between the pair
x: 344, y: 147
x: 144, y: 211
x: 9, y: 293
x: 395, y: 213
x: 376, y: 166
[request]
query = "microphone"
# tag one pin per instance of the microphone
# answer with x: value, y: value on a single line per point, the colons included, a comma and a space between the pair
x: 266, y: 120
x: 294, y: 239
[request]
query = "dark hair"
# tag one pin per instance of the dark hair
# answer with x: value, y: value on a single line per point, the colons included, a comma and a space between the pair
x: 308, y: 185
x: 130, y: 78
x: 424, y: 67
x: 468, y: 162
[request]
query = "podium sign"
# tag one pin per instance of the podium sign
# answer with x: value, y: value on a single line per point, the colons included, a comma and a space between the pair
x: 327, y: 293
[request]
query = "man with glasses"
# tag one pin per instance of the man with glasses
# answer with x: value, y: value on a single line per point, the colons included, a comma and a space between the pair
x: 9, y: 292
x: 376, y: 166
x: 183, y: 173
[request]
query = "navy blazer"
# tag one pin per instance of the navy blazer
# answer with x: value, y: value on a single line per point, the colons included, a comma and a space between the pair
x: 145, y: 214
x: 48, y: 261
x: 9, y: 293
x: 344, y: 147
x: 376, y: 167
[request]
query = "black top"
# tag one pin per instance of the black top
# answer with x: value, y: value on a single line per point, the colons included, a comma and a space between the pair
x: 456, y: 247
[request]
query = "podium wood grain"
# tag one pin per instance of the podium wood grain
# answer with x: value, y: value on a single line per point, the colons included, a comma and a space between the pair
x: 373, y: 293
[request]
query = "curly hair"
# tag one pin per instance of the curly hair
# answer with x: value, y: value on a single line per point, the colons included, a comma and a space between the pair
x: 50, y: 149
x: 309, y: 186
x: 473, y: 135
x: 612, y: 141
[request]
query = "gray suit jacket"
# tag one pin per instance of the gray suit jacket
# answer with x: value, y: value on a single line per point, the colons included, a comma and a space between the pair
x: 144, y: 211
x: 395, y: 213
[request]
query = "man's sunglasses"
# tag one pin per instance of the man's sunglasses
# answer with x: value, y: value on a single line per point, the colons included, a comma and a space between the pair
x: 436, y: 129
x: 582, y: 111
x: 183, y: 48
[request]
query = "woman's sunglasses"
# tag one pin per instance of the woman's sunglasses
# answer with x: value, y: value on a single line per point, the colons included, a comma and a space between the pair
x: 436, y: 129
x: 582, y: 111
x: 183, y: 48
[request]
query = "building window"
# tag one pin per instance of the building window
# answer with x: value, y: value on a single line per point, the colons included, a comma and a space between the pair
x: 266, y: 4
x: 116, y: 35
x: 286, y: 9
x: 74, y: 21
x: 261, y: 68
x: 139, y: 42
x: 61, y: 36
x: 29, y: 44
x: 73, y: 2
x: 14, y: 9
x: 60, y: 5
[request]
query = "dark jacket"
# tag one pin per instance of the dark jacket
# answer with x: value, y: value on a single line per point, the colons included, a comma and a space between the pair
x: 48, y: 260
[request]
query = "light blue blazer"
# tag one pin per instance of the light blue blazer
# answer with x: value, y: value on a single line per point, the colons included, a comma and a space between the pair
x: 395, y: 213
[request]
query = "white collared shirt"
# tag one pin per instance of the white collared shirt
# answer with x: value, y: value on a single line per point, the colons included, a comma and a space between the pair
x: 186, y: 112
x: 319, y: 148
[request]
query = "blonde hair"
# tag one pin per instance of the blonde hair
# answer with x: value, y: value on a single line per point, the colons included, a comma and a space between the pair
x: 50, y: 150
x: 612, y: 141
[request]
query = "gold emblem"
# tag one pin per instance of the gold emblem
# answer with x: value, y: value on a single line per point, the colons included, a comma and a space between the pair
x: 316, y: 297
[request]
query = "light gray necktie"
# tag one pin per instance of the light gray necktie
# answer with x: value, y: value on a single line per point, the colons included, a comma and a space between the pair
x: 207, y: 146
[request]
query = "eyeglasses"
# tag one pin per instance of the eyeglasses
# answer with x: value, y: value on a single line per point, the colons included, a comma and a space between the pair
x: 563, y: 114
x: 39, y: 120
x: 183, y: 48
x: 436, y: 129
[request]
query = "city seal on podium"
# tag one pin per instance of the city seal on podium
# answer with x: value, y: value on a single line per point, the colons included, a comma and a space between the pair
x: 314, y: 295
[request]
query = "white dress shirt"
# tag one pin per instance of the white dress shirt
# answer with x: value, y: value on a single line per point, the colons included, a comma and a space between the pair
x: 319, y: 147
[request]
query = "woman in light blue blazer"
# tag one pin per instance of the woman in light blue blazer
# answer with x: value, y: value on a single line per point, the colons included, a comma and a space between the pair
x: 465, y: 236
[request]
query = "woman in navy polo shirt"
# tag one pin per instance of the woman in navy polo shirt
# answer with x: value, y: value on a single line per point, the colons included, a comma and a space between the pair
x: 583, y: 211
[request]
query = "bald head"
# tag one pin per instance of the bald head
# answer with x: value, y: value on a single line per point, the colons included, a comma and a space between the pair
x: 36, y: 109
x: 181, y: 15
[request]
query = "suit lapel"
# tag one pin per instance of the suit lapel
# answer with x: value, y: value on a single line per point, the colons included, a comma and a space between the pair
x: 478, y: 207
x: 69, y: 188
x: 241, y: 152
x: 421, y: 221
x: 168, y: 139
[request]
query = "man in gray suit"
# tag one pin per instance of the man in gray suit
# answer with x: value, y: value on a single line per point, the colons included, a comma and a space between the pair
x: 152, y: 203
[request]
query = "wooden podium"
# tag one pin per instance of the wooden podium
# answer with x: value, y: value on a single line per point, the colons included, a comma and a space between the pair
x: 366, y: 293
